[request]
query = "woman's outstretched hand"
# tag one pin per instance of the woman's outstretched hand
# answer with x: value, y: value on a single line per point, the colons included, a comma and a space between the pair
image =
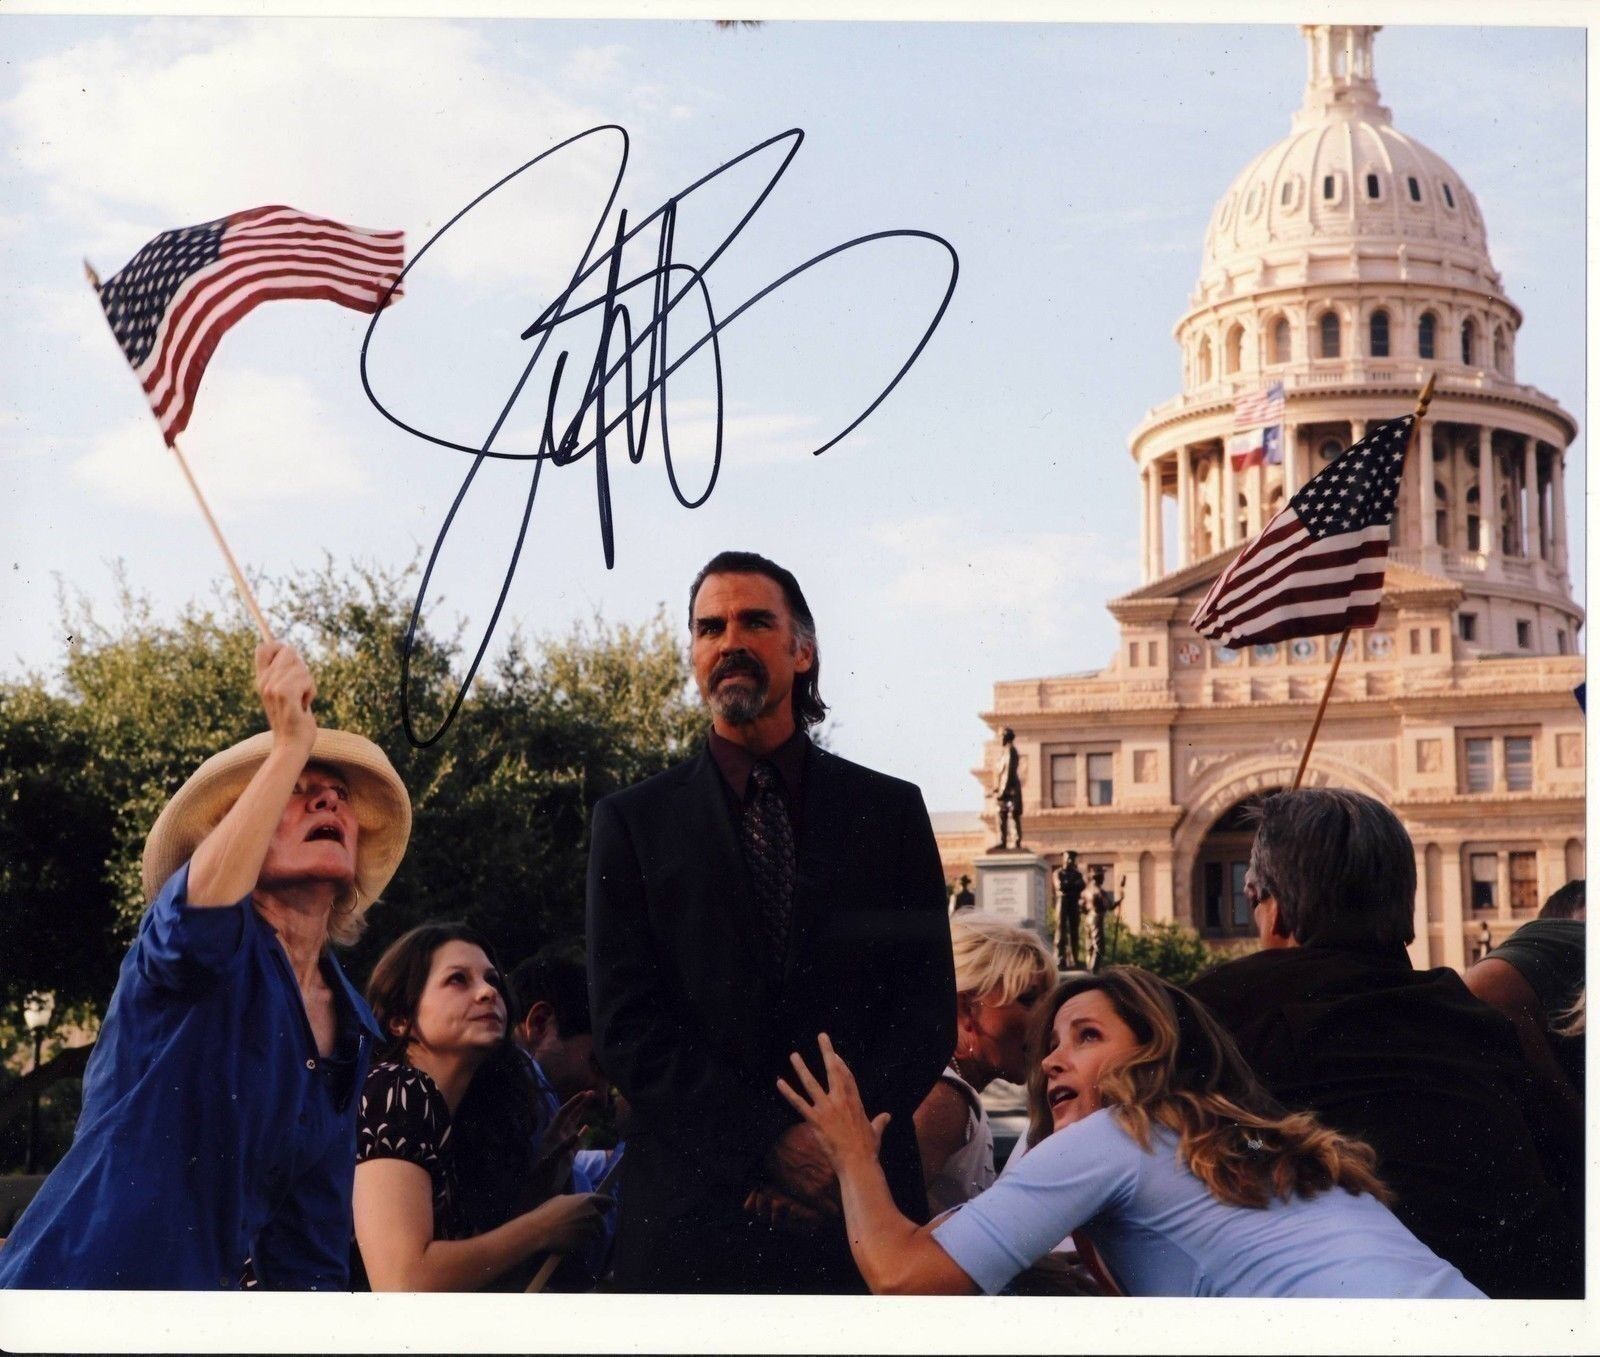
x: 834, y: 1110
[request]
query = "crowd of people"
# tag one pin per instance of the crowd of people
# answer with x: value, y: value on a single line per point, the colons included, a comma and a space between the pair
x: 792, y: 1038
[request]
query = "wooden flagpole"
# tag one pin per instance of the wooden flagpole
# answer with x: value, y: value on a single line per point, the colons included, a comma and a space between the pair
x: 1424, y: 398
x: 205, y: 511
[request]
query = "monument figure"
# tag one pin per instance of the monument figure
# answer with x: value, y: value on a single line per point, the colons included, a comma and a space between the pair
x: 1100, y: 903
x: 1069, y: 888
x: 964, y: 898
x: 1008, y: 786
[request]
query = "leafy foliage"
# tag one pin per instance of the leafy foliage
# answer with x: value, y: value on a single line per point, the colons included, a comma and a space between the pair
x: 501, y: 803
x: 1169, y: 950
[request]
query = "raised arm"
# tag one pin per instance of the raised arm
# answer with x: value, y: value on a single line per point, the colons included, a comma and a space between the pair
x: 895, y: 1255
x: 226, y: 864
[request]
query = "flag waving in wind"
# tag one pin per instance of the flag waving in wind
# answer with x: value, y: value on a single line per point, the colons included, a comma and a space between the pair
x: 176, y: 298
x: 1318, y: 566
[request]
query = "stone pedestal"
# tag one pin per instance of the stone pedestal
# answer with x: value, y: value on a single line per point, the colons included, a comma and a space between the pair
x: 1015, y: 886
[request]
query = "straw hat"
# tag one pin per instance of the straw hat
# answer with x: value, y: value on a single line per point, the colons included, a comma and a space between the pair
x: 382, y: 808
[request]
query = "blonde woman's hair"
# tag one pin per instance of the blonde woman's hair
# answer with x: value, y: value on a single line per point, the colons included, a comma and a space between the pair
x: 993, y: 955
x: 1570, y: 1022
x: 1187, y: 1074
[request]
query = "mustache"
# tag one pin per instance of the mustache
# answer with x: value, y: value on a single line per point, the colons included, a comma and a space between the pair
x: 739, y: 662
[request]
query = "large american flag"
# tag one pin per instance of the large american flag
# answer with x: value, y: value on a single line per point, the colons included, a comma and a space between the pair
x: 1318, y: 566
x: 176, y: 298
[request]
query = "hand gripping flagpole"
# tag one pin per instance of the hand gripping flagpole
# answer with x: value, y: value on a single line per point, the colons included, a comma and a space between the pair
x: 248, y: 598
x: 1424, y: 398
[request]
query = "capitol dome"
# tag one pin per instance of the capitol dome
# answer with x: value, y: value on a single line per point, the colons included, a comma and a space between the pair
x: 1345, y: 175
x: 1345, y: 265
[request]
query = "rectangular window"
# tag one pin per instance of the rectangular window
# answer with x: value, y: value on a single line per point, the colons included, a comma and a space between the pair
x: 1561, y: 641
x: 1327, y: 193
x: 1480, y: 765
x: 1519, y: 763
x: 1433, y: 640
x: 1469, y: 626
x: 1241, y: 904
x: 1485, y: 876
x: 1416, y: 641
x: 1133, y: 654
x: 1213, y: 896
x: 1525, y: 881
x: 1150, y: 652
x: 1099, y: 771
x: 1474, y: 533
x: 1372, y: 192
x: 1525, y: 635
x: 1063, y: 779
x: 1416, y: 189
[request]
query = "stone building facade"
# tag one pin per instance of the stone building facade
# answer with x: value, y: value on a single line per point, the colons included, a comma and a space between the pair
x: 1347, y: 262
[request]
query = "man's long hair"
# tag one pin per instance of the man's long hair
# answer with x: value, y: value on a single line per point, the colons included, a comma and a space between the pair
x: 809, y: 708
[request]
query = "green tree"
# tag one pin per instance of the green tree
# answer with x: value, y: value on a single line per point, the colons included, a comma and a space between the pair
x: 1169, y: 950
x: 501, y: 802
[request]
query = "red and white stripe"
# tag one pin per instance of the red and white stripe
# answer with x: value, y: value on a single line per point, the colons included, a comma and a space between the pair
x: 1287, y: 583
x: 266, y: 254
x: 1263, y: 407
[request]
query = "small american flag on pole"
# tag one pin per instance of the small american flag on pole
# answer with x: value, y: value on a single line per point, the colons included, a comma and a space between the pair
x: 1263, y: 407
x: 175, y: 299
x: 1318, y: 566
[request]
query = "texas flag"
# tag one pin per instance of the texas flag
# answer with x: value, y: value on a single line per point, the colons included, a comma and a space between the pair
x: 1256, y: 446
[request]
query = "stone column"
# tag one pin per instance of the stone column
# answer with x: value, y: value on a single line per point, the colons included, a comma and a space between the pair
x: 1452, y: 909
x: 1291, y: 450
x: 1158, y: 535
x: 1488, y: 494
x: 1420, y: 944
x: 1558, y: 506
x: 1502, y: 885
x: 1533, y: 538
x: 1185, y: 509
x: 1144, y: 525
x: 1257, y: 479
x: 1230, y: 498
x: 1427, y: 503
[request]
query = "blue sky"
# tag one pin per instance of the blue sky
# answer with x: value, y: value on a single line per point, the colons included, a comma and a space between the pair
x: 969, y: 531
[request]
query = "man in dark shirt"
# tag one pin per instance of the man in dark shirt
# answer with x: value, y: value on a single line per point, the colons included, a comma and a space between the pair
x: 758, y: 894
x: 1334, y: 1020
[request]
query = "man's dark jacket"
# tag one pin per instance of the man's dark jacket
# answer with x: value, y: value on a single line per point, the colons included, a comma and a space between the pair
x: 1410, y: 1062
x: 694, y: 1028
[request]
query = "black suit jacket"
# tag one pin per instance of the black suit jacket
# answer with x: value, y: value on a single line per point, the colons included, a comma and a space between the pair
x: 1432, y: 1079
x: 693, y: 1032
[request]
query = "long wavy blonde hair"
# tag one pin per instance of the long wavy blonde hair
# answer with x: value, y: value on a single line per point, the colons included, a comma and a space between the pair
x: 1187, y: 1075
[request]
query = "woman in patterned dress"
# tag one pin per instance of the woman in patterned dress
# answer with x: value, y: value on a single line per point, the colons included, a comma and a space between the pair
x: 449, y: 1195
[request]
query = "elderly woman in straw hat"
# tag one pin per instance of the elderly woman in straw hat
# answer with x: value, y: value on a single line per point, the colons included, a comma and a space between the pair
x: 219, y: 1106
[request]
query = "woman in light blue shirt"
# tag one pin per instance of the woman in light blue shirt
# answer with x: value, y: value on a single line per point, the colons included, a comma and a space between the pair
x: 1151, y: 1140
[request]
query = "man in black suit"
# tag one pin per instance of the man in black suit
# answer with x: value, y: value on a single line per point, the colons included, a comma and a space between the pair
x: 739, y: 904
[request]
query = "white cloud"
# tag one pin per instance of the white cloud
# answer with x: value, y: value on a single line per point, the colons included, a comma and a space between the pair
x: 380, y: 124
x: 258, y: 438
x: 967, y: 571
x: 594, y: 66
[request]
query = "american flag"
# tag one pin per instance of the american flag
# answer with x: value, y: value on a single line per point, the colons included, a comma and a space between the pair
x: 176, y: 298
x: 1264, y: 407
x: 1318, y: 566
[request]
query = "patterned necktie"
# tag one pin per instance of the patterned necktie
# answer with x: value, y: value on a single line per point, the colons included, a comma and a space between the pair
x: 767, y: 838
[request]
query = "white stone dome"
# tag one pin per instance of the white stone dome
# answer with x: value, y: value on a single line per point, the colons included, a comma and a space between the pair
x: 1344, y: 175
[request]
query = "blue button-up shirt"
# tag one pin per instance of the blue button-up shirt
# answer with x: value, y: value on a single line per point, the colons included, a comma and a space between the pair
x: 212, y: 1130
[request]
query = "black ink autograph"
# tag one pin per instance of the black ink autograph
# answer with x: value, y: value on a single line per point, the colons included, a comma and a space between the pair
x: 563, y: 447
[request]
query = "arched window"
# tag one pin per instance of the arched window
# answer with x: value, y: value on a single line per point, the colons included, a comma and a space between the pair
x: 1500, y: 356
x: 1474, y: 522
x: 1330, y: 448
x: 1203, y: 362
x: 1241, y: 520
x: 1233, y: 353
x: 1469, y: 337
x: 1328, y: 330
x: 1426, y: 328
x: 1280, y: 340
x: 1378, y: 335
